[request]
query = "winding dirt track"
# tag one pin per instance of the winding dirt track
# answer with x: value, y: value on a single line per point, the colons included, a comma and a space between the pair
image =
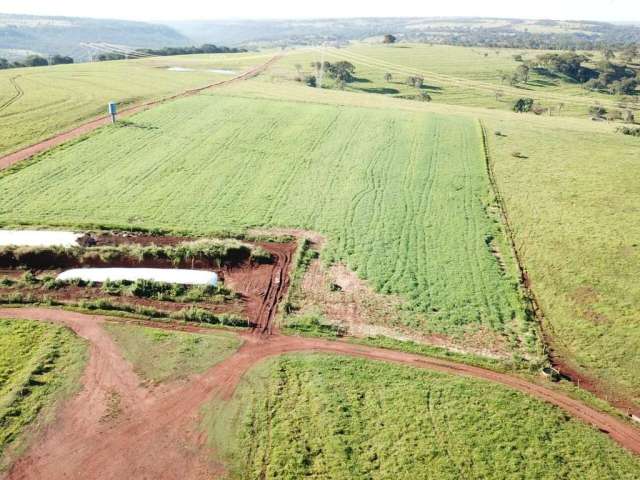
x: 58, y: 139
x: 154, y: 433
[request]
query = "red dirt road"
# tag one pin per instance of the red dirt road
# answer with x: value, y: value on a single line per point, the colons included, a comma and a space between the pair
x: 154, y: 433
x: 28, y: 152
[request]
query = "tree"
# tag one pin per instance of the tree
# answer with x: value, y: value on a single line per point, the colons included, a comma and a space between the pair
x: 342, y: 71
x: 60, y: 60
x: 35, y: 61
x: 598, y: 111
x: 388, y: 38
x: 4, y: 63
x: 388, y: 77
x: 522, y: 73
x: 523, y: 105
x: 629, y: 117
x: 415, y: 81
x: 310, y: 80
x: 608, y: 54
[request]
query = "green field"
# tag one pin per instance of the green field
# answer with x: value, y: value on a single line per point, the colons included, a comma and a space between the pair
x: 403, y: 197
x: 453, y: 75
x: 574, y: 205
x: 39, y: 364
x: 36, y: 103
x: 160, y: 356
x: 319, y: 416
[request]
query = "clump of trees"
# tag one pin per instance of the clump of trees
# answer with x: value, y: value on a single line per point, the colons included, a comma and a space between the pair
x: 523, y: 105
x: 415, y: 81
x: 35, y: 61
x: 569, y: 64
x: 605, y: 76
x: 388, y: 38
x: 634, y: 132
x: 342, y: 72
x: 206, y: 48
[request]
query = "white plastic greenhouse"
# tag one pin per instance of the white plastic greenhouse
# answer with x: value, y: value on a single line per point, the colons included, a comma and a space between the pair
x: 165, y: 275
x: 38, y: 238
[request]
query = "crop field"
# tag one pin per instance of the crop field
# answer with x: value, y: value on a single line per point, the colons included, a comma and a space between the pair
x: 39, y: 364
x: 572, y: 203
x: 453, y: 75
x: 403, y: 197
x: 36, y: 103
x: 159, y: 356
x: 322, y: 416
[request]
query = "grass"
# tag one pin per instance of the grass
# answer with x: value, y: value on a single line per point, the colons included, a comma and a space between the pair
x: 574, y: 206
x: 36, y: 103
x: 572, y: 203
x: 403, y: 197
x: 161, y: 356
x: 453, y: 75
x: 322, y: 416
x: 39, y: 365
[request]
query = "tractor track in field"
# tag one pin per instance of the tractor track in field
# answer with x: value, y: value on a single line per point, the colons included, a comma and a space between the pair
x: 16, y: 97
x: 7, y: 161
x: 157, y: 434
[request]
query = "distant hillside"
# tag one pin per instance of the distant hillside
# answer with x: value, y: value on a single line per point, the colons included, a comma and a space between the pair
x: 490, y: 32
x: 22, y: 34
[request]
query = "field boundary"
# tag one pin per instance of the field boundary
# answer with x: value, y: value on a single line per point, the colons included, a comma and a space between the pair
x: 25, y: 153
x: 547, y: 334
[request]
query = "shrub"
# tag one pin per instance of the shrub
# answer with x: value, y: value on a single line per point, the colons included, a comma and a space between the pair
x: 634, y: 132
x: 523, y: 105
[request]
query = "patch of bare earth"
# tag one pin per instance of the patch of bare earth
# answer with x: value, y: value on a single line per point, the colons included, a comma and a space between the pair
x: 347, y: 301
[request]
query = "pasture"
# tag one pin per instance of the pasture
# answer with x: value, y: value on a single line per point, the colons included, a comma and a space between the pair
x: 573, y: 202
x: 36, y: 103
x: 403, y: 197
x: 160, y: 356
x: 452, y: 75
x: 322, y: 416
x: 39, y: 365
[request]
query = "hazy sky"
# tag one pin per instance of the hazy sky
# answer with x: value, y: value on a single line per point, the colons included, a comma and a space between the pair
x: 605, y: 10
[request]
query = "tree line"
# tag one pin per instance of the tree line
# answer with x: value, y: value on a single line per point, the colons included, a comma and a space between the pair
x: 40, y: 61
x: 36, y: 61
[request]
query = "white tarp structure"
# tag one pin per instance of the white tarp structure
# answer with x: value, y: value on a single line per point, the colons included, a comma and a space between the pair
x: 165, y: 275
x: 38, y: 238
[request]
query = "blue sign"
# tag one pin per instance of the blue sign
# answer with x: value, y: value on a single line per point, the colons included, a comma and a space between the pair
x: 113, y: 108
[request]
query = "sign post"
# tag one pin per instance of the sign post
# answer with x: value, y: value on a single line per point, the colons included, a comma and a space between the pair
x: 113, y: 110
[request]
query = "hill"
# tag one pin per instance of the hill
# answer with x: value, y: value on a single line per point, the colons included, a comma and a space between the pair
x: 23, y: 34
x: 490, y: 32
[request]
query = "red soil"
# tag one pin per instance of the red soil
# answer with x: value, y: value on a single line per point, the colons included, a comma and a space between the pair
x: 260, y: 286
x: 155, y: 434
x: 92, y: 125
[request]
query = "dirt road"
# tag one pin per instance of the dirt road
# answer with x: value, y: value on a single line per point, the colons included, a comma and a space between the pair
x: 28, y: 152
x: 115, y: 428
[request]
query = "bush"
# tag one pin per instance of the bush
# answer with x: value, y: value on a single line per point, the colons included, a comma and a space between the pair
x: 634, y: 132
x: 523, y: 105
